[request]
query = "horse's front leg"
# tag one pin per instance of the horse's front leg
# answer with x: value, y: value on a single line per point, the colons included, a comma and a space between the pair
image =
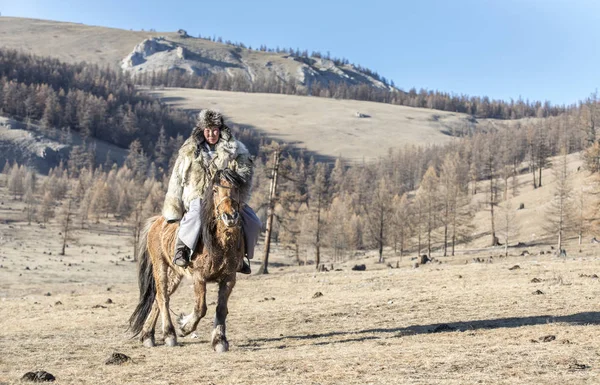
x: 219, y: 339
x: 188, y: 324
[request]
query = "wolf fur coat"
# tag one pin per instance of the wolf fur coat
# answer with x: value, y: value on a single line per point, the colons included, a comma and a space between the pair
x: 194, y: 167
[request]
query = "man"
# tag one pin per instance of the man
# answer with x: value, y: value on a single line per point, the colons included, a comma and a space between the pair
x: 210, y: 147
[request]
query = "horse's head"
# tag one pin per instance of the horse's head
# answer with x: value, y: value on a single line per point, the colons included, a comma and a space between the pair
x: 226, y: 197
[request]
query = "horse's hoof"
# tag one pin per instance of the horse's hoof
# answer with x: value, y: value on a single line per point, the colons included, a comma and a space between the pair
x: 219, y: 341
x: 171, y: 341
x: 149, y: 343
x: 183, y: 321
x: 222, y: 347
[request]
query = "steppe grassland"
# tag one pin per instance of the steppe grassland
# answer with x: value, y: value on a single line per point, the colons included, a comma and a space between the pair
x: 327, y: 127
x: 376, y: 326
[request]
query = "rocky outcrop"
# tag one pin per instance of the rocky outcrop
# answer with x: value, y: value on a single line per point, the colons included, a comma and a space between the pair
x: 27, y: 144
x: 199, y: 57
x: 31, y: 150
x: 144, y: 50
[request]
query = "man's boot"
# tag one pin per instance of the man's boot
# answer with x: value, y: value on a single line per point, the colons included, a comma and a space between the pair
x: 182, y: 254
x: 245, y: 266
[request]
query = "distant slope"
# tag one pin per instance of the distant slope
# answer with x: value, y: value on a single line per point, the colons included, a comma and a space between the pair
x: 69, y: 42
x: 328, y: 127
x: 528, y: 225
x: 27, y: 145
x: 169, y: 51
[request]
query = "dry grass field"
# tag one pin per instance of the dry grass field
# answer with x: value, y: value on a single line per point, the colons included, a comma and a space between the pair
x: 452, y: 322
x: 324, y: 126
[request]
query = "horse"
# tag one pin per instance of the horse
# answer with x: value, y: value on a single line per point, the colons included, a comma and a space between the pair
x: 217, y: 258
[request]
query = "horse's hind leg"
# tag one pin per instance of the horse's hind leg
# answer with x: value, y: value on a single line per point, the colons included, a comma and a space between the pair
x: 147, y: 336
x: 189, y: 323
x: 219, y: 338
x: 161, y: 275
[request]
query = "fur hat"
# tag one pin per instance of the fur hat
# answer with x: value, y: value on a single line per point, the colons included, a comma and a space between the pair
x: 210, y: 118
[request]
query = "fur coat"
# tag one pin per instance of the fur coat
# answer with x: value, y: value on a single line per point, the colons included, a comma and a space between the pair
x: 194, y: 168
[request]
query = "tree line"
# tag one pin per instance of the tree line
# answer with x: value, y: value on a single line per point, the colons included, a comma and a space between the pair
x: 416, y: 198
x: 478, y: 107
x: 95, y: 102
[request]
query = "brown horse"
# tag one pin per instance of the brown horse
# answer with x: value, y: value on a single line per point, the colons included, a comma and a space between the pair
x: 217, y: 258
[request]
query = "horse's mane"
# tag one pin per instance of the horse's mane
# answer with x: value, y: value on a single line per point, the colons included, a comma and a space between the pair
x: 208, y: 220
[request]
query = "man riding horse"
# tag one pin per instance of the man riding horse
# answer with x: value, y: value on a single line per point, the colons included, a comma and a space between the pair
x: 211, y: 147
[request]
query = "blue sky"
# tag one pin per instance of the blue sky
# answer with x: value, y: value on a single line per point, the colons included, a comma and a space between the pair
x: 534, y: 49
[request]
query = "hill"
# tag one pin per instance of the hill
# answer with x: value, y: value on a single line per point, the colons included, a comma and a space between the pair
x: 330, y: 127
x: 145, y: 52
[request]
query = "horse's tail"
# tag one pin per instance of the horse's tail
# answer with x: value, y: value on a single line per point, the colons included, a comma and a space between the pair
x: 146, y: 281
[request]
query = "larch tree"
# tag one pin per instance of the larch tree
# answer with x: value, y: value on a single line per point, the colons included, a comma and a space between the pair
x: 582, y: 218
x: 542, y: 150
x: 449, y: 191
x: 401, y: 222
x: 509, y: 227
x: 378, y: 214
x: 589, y: 117
x: 317, y: 204
x: 30, y: 205
x: 428, y: 194
x: 492, y: 176
x: 47, y: 209
x: 65, y: 223
x: 16, y: 185
x: 560, y: 212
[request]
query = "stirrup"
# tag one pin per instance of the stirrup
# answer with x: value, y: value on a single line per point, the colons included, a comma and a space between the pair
x: 182, y: 257
x: 245, y: 266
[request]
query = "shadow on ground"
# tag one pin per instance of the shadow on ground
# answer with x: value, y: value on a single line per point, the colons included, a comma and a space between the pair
x: 587, y: 318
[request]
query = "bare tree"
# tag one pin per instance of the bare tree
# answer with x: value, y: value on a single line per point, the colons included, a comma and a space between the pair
x: 560, y: 211
x: 491, y: 173
x: 449, y: 193
x: 582, y: 219
x: 16, y: 185
x: 337, y: 218
x: 264, y: 268
x: 66, y: 214
x: 509, y: 227
x: 428, y: 194
x: 591, y: 158
x: 317, y: 202
x: 378, y: 215
x: 30, y: 205
x: 589, y: 115
x: 401, y: 222
x: 47, y: 209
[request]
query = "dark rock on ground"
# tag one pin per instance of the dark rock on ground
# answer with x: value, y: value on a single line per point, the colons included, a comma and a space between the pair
x: 548, y: 338
x: 39, y: 376
x: 359, y: 267
x: 117, y: 359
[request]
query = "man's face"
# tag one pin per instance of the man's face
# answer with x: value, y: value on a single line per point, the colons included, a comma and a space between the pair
x: 211, y: 134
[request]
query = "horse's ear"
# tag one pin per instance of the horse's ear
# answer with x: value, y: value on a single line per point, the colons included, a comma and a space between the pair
x: 217, y: 176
